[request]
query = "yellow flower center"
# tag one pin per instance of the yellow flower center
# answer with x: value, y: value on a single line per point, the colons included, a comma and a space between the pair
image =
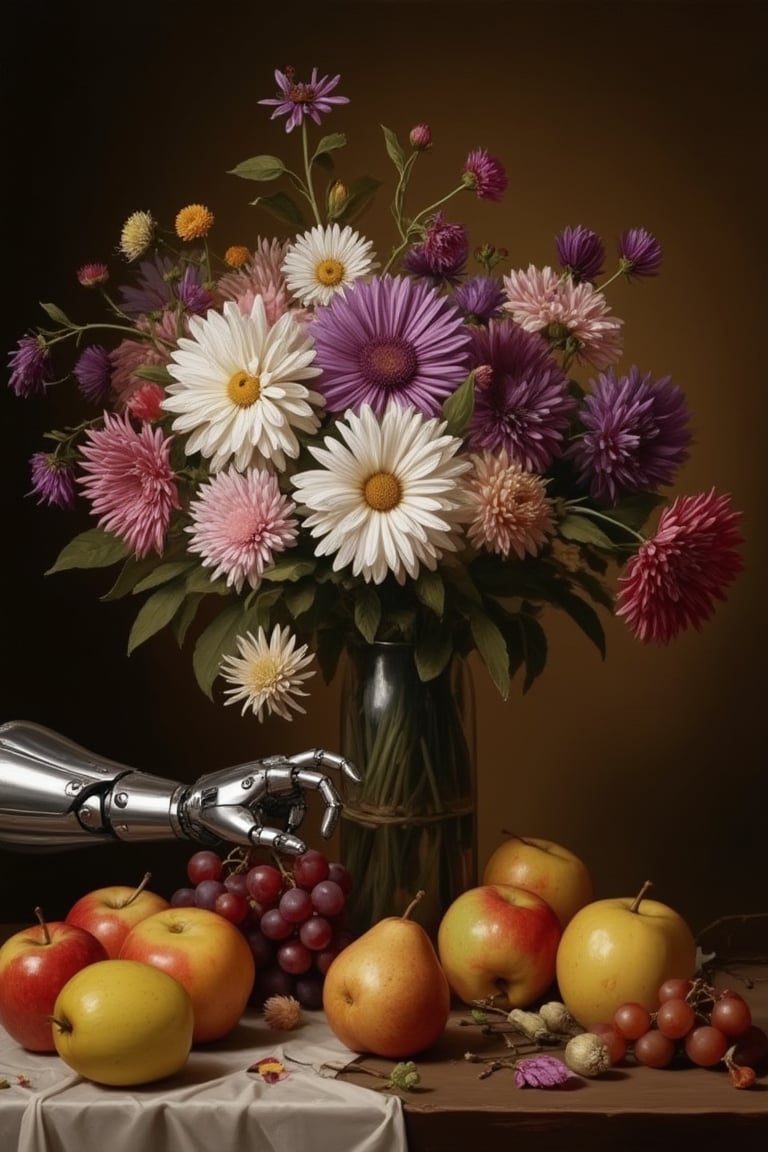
x: 244, y: 389
x: 330, y: 273
x: 264, y: 673
x: 382, y: 491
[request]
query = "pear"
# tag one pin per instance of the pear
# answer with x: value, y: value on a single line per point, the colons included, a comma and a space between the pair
x: 386, y: 992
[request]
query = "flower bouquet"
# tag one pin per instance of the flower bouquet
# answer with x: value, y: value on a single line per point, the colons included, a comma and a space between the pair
x: 300, y: 446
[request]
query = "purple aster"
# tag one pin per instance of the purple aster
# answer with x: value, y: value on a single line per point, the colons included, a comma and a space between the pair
x: 93, y: 373
x: 635, y: 437
x: 485, y: 175
x: 442, y: 254
x: 30, y: 366
x: 152, y: 291
x: 299, y: 99
x: 53, y: 480
x: 581, y: 252
x: 191, y: 292
x: 524, y: 406
x: 388, y: 339
x: 639, y: 253
x: 480, y: 298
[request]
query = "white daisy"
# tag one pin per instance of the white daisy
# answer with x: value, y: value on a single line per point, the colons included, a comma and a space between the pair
x: 389, y: 501
x: 323, y: 261
x: 238, y: 389
x: 267, y: 674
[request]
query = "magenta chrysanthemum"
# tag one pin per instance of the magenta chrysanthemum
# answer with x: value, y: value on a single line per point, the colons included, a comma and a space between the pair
x: 485, y: 175
x: 635, y: 435
x: 571, y: 316
x: 390, y: 340
x: 673, y: 581
x: 240, y: 522
x: 53, y: 480
x: 299, y: 99
x: 523, y: 405
x: 509, y: 508
x: 442, y: 254
x: 129, y: 481
x: 90, y: 275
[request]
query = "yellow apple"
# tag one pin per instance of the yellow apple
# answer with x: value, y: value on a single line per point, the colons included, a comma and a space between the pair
x: 119, y: 1022
x: 619, y: 951
x: 501, y: 941
x: 553, y: 872
x: 204, y: 952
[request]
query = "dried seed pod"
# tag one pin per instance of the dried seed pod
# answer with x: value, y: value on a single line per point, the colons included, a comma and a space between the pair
x: 557, y: 1018
x: 282, y: 1012
x: 532, y: 1025
x: 587, y: 1055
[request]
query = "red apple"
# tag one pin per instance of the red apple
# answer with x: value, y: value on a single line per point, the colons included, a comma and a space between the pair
x: 110, y: 913
x: 553, y: 872
x: 35, y: 964
x: 205, y: 953
x: 499, y: 941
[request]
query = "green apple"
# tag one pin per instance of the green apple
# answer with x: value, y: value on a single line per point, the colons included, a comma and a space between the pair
x: 121, y: 1023
x: 620, y: 951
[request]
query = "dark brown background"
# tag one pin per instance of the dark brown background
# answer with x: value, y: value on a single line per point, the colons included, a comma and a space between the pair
x: 607, y: 114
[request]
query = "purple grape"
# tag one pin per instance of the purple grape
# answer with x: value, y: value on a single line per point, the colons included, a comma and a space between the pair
x: 328, y: 898
x: 295, y: 905
x: 274, y: 925
x: 293, y: 957
x: 315, y: 933
x: 207, y: 892
x: 309, y: 991
x: 272, y: 981
x: 183, y: 898
x: 236, y: 882
x: 263, y: 949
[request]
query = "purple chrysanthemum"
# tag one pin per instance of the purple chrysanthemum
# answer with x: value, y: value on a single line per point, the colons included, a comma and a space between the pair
x: 480, y: 298
x: 442, y: 254
x: 30, y: 365
x: 524, y: 406
x: 636, y: 434
x: 485, y: 175
x: 128, y: 479
x: 299, y: 99
x: 673, y: 581
x: 158, y: 285
x: 191, y: 292
x: 388, y: 339
x: 53, y: 480
x: 581, y: 252
x: 639, y: 252
x: 93, y: 373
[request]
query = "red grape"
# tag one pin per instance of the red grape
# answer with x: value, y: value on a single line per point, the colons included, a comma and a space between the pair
x: 264, y: 883
x: 293, y: 957
x: 236, y: 882
x: 706, y: 1046
x: 751, y: 1048
x: 675, y: 1018
x: 275, y: 926
x: 341, y: 875
x: 328, y: 898
x: 295, y: 905
x: 732, y: 1015
x: 674, y: 989
x: 315, y: 933
x: 632, y: 1020
x: 232, y: 906
x: 310, y: 868
x: 309, y: 991
x: 654, y: 1049
x: 204, y: 865
x: 207, y: 892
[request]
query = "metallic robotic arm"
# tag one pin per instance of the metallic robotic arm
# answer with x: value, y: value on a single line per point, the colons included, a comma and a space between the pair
x: 55, y: 794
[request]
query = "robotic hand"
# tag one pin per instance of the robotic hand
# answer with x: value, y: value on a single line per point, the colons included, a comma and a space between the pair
x: 55, y: 794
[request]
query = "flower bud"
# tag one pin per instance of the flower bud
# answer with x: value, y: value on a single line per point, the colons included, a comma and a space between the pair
x: 420, y: 137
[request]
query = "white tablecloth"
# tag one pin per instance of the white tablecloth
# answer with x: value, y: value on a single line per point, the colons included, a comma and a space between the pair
x: 213, y: 1105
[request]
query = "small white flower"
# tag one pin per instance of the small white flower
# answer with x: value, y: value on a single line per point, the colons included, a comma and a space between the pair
x: 267, y: 674
x: 238, y: 387
x: 323, y: 261
x: 389, y: 501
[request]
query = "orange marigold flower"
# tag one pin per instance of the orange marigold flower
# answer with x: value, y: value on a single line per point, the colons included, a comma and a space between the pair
x: 194, y: 222
x: 237, y: 255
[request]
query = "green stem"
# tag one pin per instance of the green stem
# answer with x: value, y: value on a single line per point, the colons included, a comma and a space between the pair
x: 583, y: 510
x: 310, y: 191
x: 415, y: 224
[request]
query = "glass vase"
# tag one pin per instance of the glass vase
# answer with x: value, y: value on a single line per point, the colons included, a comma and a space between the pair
x: 410, y: 825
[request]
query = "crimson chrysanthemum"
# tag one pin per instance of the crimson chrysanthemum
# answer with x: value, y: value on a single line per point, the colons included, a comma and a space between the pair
x: 523, y: 405
x: 390, y: 340
x: 240, y: 522
x: 129, y: 481
x: 674, y: 579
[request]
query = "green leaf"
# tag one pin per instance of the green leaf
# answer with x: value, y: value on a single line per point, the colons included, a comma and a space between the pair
x: 635, y: 510
x: 330, y: 143
x: 360, y: 196
x: 218, y: 639
x: 430, y: 590
x: 259, y: 168
x: 492, y: 648
x: 432, y: 654
x: 282, y: 207
x: 459, y: 406
x: 131, y: 572
x: 367, y: 612
x: 199, y: 580
x: 55, y: 313
x: 156, y: 613
x: 534, y: 643
x: 583, y: 530
x: 299, y: 599
x: 289, y: 570
x: 164, y: 573
x: 183, y: 619
x: 90, y: 549
x: 394, y: 150
x: 153, y: 372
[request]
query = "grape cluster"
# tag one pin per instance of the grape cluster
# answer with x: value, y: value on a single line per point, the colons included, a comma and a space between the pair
x: 694, y: 1023
x: 293, y: 918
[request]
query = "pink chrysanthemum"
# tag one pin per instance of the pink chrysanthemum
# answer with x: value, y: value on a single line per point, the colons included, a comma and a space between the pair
x: 672, y: 582
x: 131, y: 355
x: 240, y: 522
x: 129, y: 482
x: 145, y: 403
x: 263, y: 270
x: 570, y: 315
x: 485, y: 175
x: 510, y: 510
